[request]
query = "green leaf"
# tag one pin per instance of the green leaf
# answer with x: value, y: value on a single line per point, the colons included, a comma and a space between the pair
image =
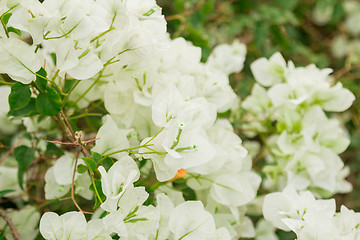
x: 40, y: 82
x: 53, y: 150
x: 49, y: 102
x: 96, y: 156
x: 2, y: 234
x: 107, y: 163
x: 19, y: 96
x: 91, y: 163
x: 69, y: 83
x: 24, y: 156
x: 81, y: 168
x: 6, y: 18
x: 99, y: 190
x: 53, y: 57
x: 29, y: 110
x: 14, y: 30
x: 4, y: 192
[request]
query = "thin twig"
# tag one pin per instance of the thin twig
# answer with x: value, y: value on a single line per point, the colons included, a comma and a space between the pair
x: 10, y: 151
x: 73, y: 186
x: 13, y: 228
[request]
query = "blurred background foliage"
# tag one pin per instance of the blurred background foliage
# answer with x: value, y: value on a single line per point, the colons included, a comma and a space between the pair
x: 323, y: 32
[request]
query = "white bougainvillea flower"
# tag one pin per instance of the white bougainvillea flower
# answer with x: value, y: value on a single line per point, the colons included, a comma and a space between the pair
x: 317, y: 130
x: 96, y: 230
x: 69, y: 226
x: 310, y: 218
x: 19, y: 60
x: 235, y: 189
x: 165, y: 208
x: 265, y: 231
x: 190, y: 220
x: 347, y: 222
x: 269, y: 72
x: 189, y: 150
x: 334, y: 99
x: 111, y: 139
x: 78, y: 61
x: 282, y: 94
x: 130, y: 210
x: 169, y: 105
x: 114, y: 183
x: 58, y: 179
x: 26, y: 221
x: 214, y: 86
x: 52, y: 188
x: 228, y: 58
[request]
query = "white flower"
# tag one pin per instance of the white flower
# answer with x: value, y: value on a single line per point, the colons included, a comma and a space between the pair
x: 19, y: 60
x: 69, y: 226
x: 26, y: 221
x: 269, y: 72
x: 115, y: 182
x: 235, y: 189
x: 111, y: 139
x: 190, y: 221
x: 228, y: 58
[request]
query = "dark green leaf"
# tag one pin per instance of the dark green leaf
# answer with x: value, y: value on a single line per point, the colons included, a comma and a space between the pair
x: 53, y: 150
x: 81, y: 168
x: 100, y: 192
x: 6, y: 18
x: 2, y: 234
x: 24, y: 156
x: 53, y: 57
x: 91, y: 164
x: 107, y: 163
x: 40, y: 82
x: 4, y: 192
x: 14, y: 30
x: 49, y: 102
x: 96, y: 156
x: 69, y: 83
x: 29, y: 110
x: 19, y: 96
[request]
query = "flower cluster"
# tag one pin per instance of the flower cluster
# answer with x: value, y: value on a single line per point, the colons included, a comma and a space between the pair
x: 161, y: 163
x: 303, y: 143
x: 162, y: 103
x: 310, y: 218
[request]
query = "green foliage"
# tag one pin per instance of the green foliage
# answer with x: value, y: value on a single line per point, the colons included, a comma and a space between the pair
x: 29, y: 110
x: 24, y: 156
x: 4, y: 192
x: 49, y: 102
x: 20, y: 96
x: 100, y: 192
x: 81, y: 168
x: 41, y: 82
x: 90, y: 163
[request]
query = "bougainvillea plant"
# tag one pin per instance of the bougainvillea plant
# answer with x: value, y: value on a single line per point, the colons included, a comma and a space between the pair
x: 113, y: 130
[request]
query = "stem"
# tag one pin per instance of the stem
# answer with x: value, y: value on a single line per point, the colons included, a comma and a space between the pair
x: 102, y: 34
x: 95, y: 189
x: 86, y: 115
x: 83, y: 150
x: 155, y: 135
x: 119, y: 151
x: 67, y: 94
x: 14, y: 231
x: 73, y: 186
x: 64, y: 35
